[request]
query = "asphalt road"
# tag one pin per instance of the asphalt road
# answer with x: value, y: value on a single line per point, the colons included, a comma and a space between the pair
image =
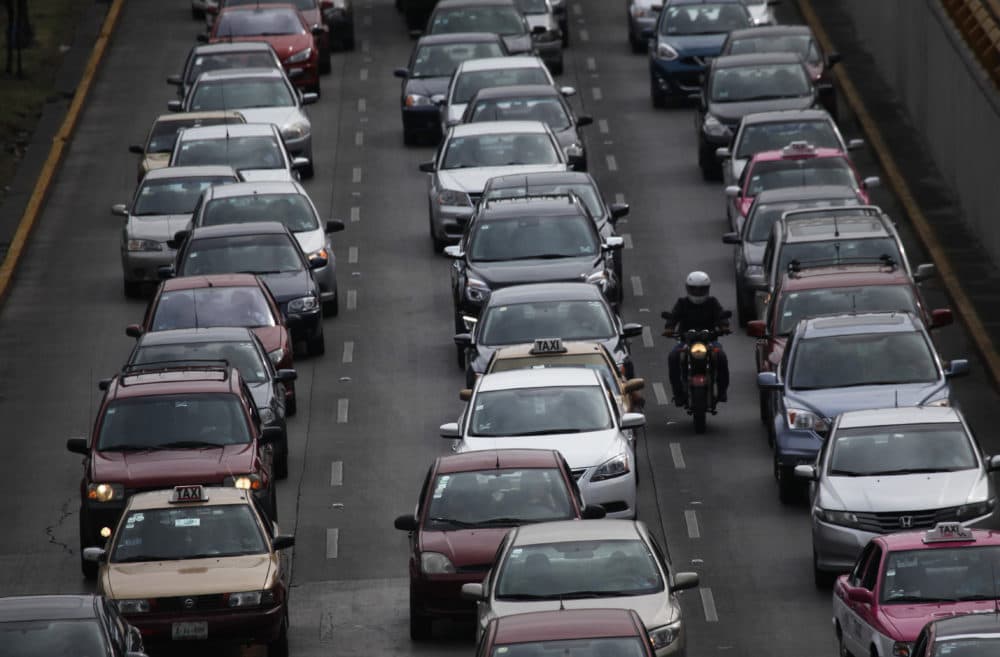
x: 370, y: 408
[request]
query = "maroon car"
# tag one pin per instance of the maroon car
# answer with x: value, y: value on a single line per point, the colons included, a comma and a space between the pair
x: 466, y: 505
x: 567, y: 633
x: 310, y: 11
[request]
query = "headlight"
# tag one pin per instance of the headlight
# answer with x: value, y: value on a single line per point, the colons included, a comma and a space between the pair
x: 842, y: 518
x: 453, y: 197
x: 303, y: 305
x: 105, y: 492
x: 301, y: 56
x: 435, y: 563
x: 144, y: 245
x: 244, y: 599
x: 275, y: 356
x: 802, y: 419
x: 666, y: 51
x: 574, y: 150
x: 320, y: 253
x: 614, y: 467
x: 296, y: 130
x: 900, y: 649
x: 266, y: 415
x: 754, y: 271
x: 661, y: 637
x: 416, y: 100
x: 251, y: 481
x: 476, y: 290
x: 133, y: 606
x: 714, y: 128
x: 970, y: 511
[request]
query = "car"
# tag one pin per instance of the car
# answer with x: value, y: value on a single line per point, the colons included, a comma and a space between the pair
x: 475, y: 74
x: 201, y: 564
x: 155, y: 151
x: 214, y: 56
x: 497, y: 16
x: 44, y: 625
x: 642, y: 17
x: 289, y: 203
x: 597, y: 564
x: 546, y: 32
x: 269, y: 249
x: 284, y: 28
x: 416, y: 13
x: 761, y: 11
x: 467, y: 504
x: 256, y: 151
x: 261, y: 96
x: 311, y: 13
x: 606, y: 215
x: 849, y: 362
x: 768, y: 131
x: 432, y: 63
x: 536, y: 239
x: 688, y: 33
x: 569, y: 409
x: 894, y: 469
x: 191, y: 424
x: 799, y: 164
x: 536, y: 103
x: 235, y: 346
x: 162, y: 204
x: 574, y: 631
x: 753, y: 233
x: 957, y: 635
x: 471, y: 154
x: 797, y: 39
x: 519, y: 314
x: 554, y: 352
x: 737, y: 85
x: 900, y: 582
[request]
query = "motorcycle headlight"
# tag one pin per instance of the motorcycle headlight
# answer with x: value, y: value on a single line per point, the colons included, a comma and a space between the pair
x: 713, y: 127
x: 250, y: 481
x: 974, y: 510
x: 802, y: 419
x: 573, y: 150
x: 435, y: 563
x: 266, y: 415
x: 613, y: 467
x: 100, y: 492
x: 303, y: 304
x: 842, y: 518
x: 144, y: 245
x: 663, y: 636
x: 138, y: 606
x: 301, y: 56
x: 296, y: 130
x: 476, y: 290
x: 666, y: 52
x: 453, y: 197
x: 244, y: 599
x: 416, y: 100
x: 698, y: 351
x: 275, y: 356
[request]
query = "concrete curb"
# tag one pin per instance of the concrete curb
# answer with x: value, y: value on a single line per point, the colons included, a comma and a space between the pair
x: 59, y: 144
x: 953, y: 287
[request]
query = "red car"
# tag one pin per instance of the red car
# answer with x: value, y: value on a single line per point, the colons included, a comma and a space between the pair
x: 284, y: 28
x: 568, y: 633
x: 310, y: 11
x: 797, y: 165
x: 466, y: 505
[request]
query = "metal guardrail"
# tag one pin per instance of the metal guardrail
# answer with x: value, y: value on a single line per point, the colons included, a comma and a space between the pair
x: 979, y: 23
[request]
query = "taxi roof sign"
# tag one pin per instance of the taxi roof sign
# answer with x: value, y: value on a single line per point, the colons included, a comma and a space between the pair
x: 947, y: 532
x: 548, y: 346
x: 799, y: 148
x: 184, y: 494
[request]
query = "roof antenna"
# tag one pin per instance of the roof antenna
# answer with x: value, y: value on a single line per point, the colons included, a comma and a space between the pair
x: 836, y: 227
x: 562, y: 607
x: 895, y: 394
x: 498, y: 460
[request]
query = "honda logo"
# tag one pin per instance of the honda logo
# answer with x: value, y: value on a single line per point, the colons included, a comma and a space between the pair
x: 189, y: 603
x: 905, y: 521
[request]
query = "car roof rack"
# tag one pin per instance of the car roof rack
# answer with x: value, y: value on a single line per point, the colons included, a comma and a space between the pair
x: 528, y: 196
x: 206, y: 365
x: 796, y: 267
x: 833, y: 211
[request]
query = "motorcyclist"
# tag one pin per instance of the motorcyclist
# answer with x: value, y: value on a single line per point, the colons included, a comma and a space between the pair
x: 698, y: 311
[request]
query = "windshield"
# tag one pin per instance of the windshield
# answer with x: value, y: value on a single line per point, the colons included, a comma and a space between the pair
x: 586, y: 191
x: 522, y: 323
x: 253, y: 254
x: 244, y: 356
x: 258, y: 22
x: 802, y: 45
x: 736, y: 84
x: 207, y: 307
x: 779, y: 174
x: 540, y: 411
x: 596, y: 362
x: 531, y: 237
x: 617, y: 646
x: 837, y: 300
x: 763, y: 215
x: 469, y: 82
x: 963, y: 646
x: 703, y: 19
x: 759, y: 137
x: 44, y: 638
x: 944, y: 574
x: 533, y: 6
x: 441, y: 60
x: 188, y: 532
x: 173, y: 421
x: 164, y: 133
x: 238, y: 152
x: 497, y: 150
x: 548, y: 110
x: 293, y: 210
x: 871, y: 359
x: 177, y: 196
x: 506, y: 21
x: 498, y: 497
x: 226, y: 60
x: 902, y: 449
x: 579, y: 569
x: 843, y: 251
x: 246, y: 93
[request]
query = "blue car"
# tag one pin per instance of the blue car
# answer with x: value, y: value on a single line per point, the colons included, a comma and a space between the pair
x: 688, y: 33
x: 844, y: 363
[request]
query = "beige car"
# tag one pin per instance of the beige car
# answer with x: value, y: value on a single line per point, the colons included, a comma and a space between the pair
x: 155, y: 151
x: 198, y: 564
x: 556, y: 353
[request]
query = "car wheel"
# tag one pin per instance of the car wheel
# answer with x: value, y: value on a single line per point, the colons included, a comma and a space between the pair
x: 787, y: 486
x: 316, y: 346
x: 439, y: 244
x: 421, y: 627
x: 279, y: 647
x: 659, y: 98
x: 557, y: 67
x: 822, y: 579
x: 281, y: 458
x: 638, y: 47
x: 89, y: 568
x: 291, y: 406
x: 132, y: 289
x: 272, y: 504
x: 307, y: 172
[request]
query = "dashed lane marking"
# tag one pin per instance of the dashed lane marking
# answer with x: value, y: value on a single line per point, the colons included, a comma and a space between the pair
x: 352, y: 299
x: 647, y: 337
x: 602, y: 126
x: 365, y: 45
x: 362, y: 105
x: 678, y: 456
x: 342, y: 407
x: 356, y: 175
x: 627, y: 238
x: 660, y: 393
x: 348, y: 351
x: 352, y: 255
x: 584, y: 35
x: 591, y: 64
x: 619, y: 198
x: 612, y: 163
x: 363, y: 74
x: 332, y: 542
x: 691, y: 520
x: 577, y: 9
x: 337, y: 473
x: 596, y: 93
x: 355, y: 215
x: 359, y: 138
x: 636, y: 286
x: 708, y: 604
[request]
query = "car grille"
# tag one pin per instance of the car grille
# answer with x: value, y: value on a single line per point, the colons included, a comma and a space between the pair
x: 688, y: 80
x: 895, y: 521
x: 579, y: 472
x: 474, y: 568
x: 192, y: 603
x: 693, y: 61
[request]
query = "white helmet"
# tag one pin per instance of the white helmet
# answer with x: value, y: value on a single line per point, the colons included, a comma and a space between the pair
x: 697, y: 284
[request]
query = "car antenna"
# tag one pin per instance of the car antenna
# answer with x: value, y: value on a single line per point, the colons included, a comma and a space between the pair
x: 895, y: 394
x: 498, y: 460
x: 836, y: 227
x: 562, y: 607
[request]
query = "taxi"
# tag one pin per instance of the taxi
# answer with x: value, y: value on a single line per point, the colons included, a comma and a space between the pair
x: 553, y: 352
x: 903, y: 581
x: 201, y: 565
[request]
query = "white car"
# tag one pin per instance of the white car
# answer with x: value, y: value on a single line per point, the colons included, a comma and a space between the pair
x: 567, y: 409
x: 255, y: 150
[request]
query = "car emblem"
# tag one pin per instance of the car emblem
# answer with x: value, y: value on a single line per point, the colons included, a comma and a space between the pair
x: 905, y: 521
x: 189, y: 603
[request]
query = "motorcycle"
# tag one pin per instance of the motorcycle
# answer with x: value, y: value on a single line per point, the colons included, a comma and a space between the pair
x: 697, y: 368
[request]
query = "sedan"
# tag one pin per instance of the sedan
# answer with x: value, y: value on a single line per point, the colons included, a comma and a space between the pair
x: 155, y: 151
x: 215, y: 56
x: 310, y: 12
x: 47, y: 625
x: 546, y: 34
x: 255, y: 150
x: 497, y: 16
x: 571, y: 633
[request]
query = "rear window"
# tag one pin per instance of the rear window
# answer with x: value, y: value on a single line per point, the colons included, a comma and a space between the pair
x: 524, y: 322
x: 760, y: 137
x: 799, y: 305
x: 498, y: 498
x: 779, y: 174
x: 212, y: 306
x: 469, y: 82
x: 441, y: 60
x: 293, y: 210
x: 45, y: 638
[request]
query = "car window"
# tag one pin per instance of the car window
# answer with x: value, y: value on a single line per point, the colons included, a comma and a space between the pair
x: 839, y: 251
x: 44, y: 638
x: 173, y: 422
x: 964, y: 646
x: 498, y: 150
x: 506, y: 21
x: 521, y: 323
x: 532, y: 237
x: 859, y: 566
x: 548, y: 110
x: 263, y: 152
x: 763, y: 216
x: 498, y: 497
x: 163, y: 134
x: 257, y: 254
x: 734, y: 84
x: 618, y: 646
x: 176, y: 196
x: 708, y: 18
x: 210, y: 307
x: 259, y: 22
x: 943, y: 574
x: 240, y: 93
x: 243, y: 355
x: 440, y: 60
x: 870, y: 575
x: 540, y: 411
x: 228, y: 60
x: 801, y: 304
x: 293, y: 210
x: 532, y: 6
x: 843, y: 361
x: 902, y: 449
x: 302, y: 5
x: 802, y: 45
x: 469, y: 82
x: 759, y: 137
x: 187, y: 532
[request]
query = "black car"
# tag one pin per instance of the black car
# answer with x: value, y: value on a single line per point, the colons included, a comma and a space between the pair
x: 959, y: 636
x: 534, y: 103
x: 416, y: 13
x: 738, y: 85
x: 497, y: 16
x: 215, y: 56
x: 49, y: 625
x: 338, y: 16
x: 267, y: 249
x: 433, y: 60
x: 522, y: 314
x: 236, y: 346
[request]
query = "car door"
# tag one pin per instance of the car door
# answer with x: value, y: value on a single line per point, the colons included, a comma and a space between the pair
x: 862, y: 614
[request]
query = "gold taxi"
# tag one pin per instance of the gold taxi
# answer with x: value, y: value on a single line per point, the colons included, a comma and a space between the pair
x: 162, y: 136
x: 553, y: 352
x: 199, y: 564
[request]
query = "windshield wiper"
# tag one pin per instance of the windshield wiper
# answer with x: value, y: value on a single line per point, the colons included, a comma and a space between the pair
x: 918, y: 598
x: 259, y: 272
x: 577, y: 595
x: 129, y: 448
x: 145, y: 557
x: 188, y: 443
x: 526, y: 596
x: 906, y: 471
x: 504, y: 521
x: 453, y: 522
x: 762, y: 97
x: 545, y: 256
x: 545, y: 432
x: 848, y: 473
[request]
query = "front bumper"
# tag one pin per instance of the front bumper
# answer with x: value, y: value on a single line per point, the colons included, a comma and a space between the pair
x: 616, y: 495
x: 304, y: 75
x: 441, y: 595
x: 449, y: 221
x: 794, y: 447
x: 305, y: 326
x: 300, y: 146
x: 676, y: 78
x: 224, y: 625
x: 143, y: 266
x: 326, y: 278
x: 423, y: 120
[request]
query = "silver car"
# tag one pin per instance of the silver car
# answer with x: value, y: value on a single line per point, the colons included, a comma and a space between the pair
x: 546, y: 35
x: 895, y: 469
x: 598, y: 564
x: 255, y: 150
x: 162, y: 205
x: 642, y: 17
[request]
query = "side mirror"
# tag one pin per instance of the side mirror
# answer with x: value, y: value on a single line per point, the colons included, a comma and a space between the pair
x: 401, y: 73
x: 756, y: 328
x: 428, y: 167
x: 334, y: 226
x: 133, y: 331
x: 317, y: 262
x: 634, y: 385
x: 807, y: 472
x: 175, y: 106
x: 472, y: 591
x: 286, y: 376
x: 941, y: 317
x: 407, y: 523
x: 269, y: 435
x: 768, y: 381
x: 584, y: 120
x: 632, y: 330
x: 619, y: 210
x: 833, y: 58
x: 538, y: 30
x: 201, y: 38
x: 613, y: 243
x: 463, y: 340
x: 300, y: 163
x: 453, y: 251
x: 449, y: 430
x: 439, y: 99
x: 593, y: 512
x: 94, y: 554
x: 317, y: 30
x: 103, y: 384
x: 175, y: 80
x: 165, y: 271
x: 633, y: 420
x: 179, y: 238
x: 119, y: 210
x: 684, y: 581
x: 465, y: 394
x: 309, y: 98
x: 731, y: 238
x: 723, y: 153
x: 956, y: 368
x: 732, y: 191
x: 78, y: 446
x: 993, y: 463
x: 855, y: 144
x: 924, y: 271
x: 282, y: 541
x: 451, y: 123
x: 860, y: 595
x: 567, y: 91
x: 872, y: 182
x: 136, y: 148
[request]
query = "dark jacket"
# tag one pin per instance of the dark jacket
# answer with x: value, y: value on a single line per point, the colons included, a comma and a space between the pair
x: 698, y: 316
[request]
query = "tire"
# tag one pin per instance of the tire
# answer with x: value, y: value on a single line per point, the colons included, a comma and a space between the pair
x: 272, y: 504
x: 658, y: 97
x: 556, y: 68
x: 132, y: 289
x: 291, y: 406
x: 821, y: 578
x: 765, y: 412
x: 421, y: 627
x: 279, y: 647
x: 787, y: 488
x: 699, y: 407
x: 281, y: 459
x: 316, y: 346
x: 744, y: 314
x: 325, y: 65
x: 308, y: 172
x: 638, y: 47
x: 332, y: 308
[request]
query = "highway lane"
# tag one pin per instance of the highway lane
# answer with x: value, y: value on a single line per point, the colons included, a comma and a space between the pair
x: 369, y: 408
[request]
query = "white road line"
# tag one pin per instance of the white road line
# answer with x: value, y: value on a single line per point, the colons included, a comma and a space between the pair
x: 647, y: 337
x: 612, y: 163
x: 365, y: 45
x: 627, y: 238
x: 348, y: 351
x: 596, y: 93
x: 342, y: 406
x: 577, y: 9
x: 356, y: 175
x: 362, y: 105
x: 337, y: 473
x: 355, y: 215
x: 677, y: 455
x: 708, y: 603
x: 591, y: 64
x: 584, y: 35
x: 691, y: 519
x: 352, y: 299
x: 636, y: 286
x: 660, y: 393
x: 359, y: 138
x: 619, y: 198
x: 602, y: 125
x: 352, y: 255
x: 332, y: 541
x: 363, y: 74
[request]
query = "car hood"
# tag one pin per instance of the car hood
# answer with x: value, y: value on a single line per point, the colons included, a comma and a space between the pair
x: 162, y: 579
x: 581, y: 450
x: 831, y: 402
x: 465, y: 547
x: 289, y: 285
x: 913, y: 492
x: 279, y: 116
x: 502, y: 274
x: 270, y: 336
x: 473, y: 180
x: 426, y: 86
x: 261, y: 393
x: 311, y: 240
x: 731, y: 113
x: 517, y: 44
x: 284, y: 45
x: 266, y: 175
x: 908, y: 620
x: 160, y: 227
x: 655, y: 610
x: 173, y: 467
x: 695, y: 45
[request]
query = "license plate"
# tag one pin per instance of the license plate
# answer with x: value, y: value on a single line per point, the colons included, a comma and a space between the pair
x: 183, y: 631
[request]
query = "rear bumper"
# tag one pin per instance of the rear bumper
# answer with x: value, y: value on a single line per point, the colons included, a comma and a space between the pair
x: 442, y: 596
